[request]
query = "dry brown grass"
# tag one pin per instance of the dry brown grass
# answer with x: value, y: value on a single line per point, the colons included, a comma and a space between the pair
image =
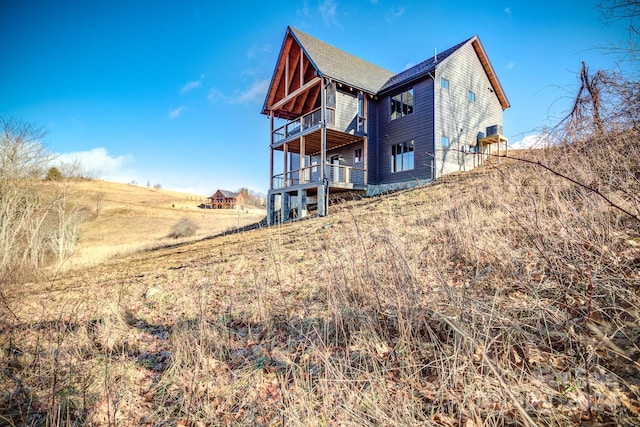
x: 504, y: 296
x: 122, y: 219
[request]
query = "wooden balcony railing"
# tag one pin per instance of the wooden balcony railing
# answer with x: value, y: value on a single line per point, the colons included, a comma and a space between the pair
x: 303, y: 123
x: 338, y: 175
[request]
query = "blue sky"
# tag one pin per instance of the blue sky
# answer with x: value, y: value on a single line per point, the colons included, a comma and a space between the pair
x: 170, y: 92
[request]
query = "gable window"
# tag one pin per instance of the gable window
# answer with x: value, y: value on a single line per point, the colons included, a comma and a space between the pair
x: 402, y: 104
x: 402, y: 157
x: 444, y: 141
x: 444, y: 83
x: 357, y: 155
x: 471, y: 96
x: 361, y: 119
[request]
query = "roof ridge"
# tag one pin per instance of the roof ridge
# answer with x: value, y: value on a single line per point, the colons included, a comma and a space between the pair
x: 341, y: 65
x: 424, y: 67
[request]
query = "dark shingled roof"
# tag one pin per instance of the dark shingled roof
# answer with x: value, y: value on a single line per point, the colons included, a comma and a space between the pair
x: 342, y: 66
x: 227, y: 194
x: 348, y: 69
x: 420, y: 70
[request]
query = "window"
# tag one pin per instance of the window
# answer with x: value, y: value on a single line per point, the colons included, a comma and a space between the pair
x: 471, y: 96
x: 444, y: 141
x: 361, y: 120
x: 357, y: 155
x: 331, y: 95
x: 402, y: 104
x: 402, y: 157
x: 444, y: 83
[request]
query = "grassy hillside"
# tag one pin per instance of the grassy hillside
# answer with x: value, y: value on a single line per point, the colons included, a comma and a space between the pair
x: 121, y: 219
x: 503, y: 296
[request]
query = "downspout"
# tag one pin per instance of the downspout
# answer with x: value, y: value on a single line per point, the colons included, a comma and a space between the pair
x: 433, y: 156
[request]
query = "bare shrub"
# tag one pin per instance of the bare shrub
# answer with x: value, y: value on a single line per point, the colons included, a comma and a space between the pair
x: 185, y: 227
x: 35, y: 226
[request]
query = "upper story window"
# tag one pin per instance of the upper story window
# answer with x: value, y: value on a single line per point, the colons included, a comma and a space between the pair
x: 361, y: 119
x: 471, y: 96
x: 444, y: 141
x: 402, y: 104
x: 444, y: 83
x: 331, y: 95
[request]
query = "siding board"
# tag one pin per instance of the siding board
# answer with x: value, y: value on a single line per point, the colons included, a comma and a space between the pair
x: 457, y: 117
x: 417, y: 126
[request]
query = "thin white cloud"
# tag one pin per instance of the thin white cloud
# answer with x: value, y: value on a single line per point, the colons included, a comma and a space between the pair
x: 395, y: 13
x: 256, y: 92
x: 175, y: 113
x: 507, y: 10
x: 96, y: 162
x: 510, y: 65
x: 408, y: 65
x: 254, y: 51
x: 215, y: 95
x: 189, y: 86
x: 305, y: 11
x: 328, y: 12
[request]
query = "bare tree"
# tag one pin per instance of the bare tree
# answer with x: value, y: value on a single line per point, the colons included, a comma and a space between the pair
x: 28, y: 216
x: 22, y: 154
x: 615, y: 10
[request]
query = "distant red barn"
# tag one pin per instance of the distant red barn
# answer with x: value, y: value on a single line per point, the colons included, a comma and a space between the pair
x: 223, y: 199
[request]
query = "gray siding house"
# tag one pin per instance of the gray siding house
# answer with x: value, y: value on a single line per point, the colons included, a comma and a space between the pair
x: 339, y: 123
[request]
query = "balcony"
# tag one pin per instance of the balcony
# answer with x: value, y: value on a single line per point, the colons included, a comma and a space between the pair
x: 339, y: 177
x: 308, y: 121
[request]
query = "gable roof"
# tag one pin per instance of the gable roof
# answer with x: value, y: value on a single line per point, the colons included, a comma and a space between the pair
x: 227, y: 194
x: 420, y: 70
x: 429, y: 66
x: 330, y: 62
x: 341, y: 66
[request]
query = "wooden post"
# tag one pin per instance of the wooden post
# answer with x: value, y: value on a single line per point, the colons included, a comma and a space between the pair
x: 322, y: 189
x: 365, y: 159
x: 302, y: 159
x: 286, y: 76
x: 286, y: 164
x: 271, y: 152
x: 323, y: 130
x: 301, y: 67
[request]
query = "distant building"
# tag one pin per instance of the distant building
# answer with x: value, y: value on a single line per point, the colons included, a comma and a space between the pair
x: 223, y: 199
x: 339, y: 123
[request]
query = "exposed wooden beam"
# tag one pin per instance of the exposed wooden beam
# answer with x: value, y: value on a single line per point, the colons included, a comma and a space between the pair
x: 301, y: 69
x: 306, y: 101
x: 295, y: 93
x: 286, y: 76
x: 294, y: 67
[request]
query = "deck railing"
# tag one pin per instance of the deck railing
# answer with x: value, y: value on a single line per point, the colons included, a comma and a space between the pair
x: 303, y: 123
x: 338, y: 175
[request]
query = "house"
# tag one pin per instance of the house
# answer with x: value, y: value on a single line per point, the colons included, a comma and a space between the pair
x: 223, y: 199
x: 339, y: 123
